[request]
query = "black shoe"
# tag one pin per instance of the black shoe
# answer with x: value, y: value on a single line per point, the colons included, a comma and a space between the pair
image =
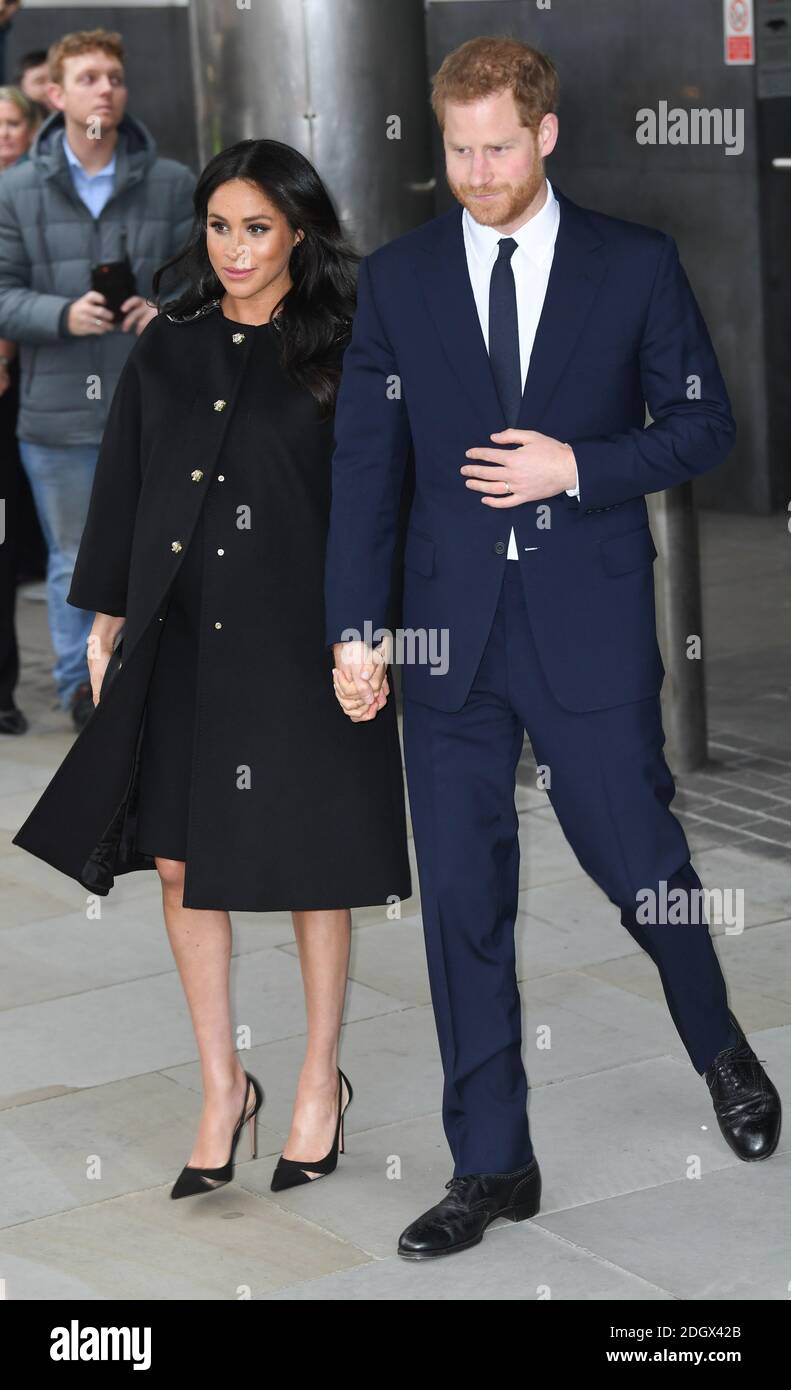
x: 12, y: 721
x: 746, y: 1103
x: 473, y: 1202
x: 81, y: 706
x: 290, y: 1172
x: 193, y: 1180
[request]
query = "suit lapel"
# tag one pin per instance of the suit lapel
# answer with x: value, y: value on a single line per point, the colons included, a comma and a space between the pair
x: 577, y: 269
x: 451, y: 302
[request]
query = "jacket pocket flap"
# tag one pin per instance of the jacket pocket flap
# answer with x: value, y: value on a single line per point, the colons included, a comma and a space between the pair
x: 419, y: 553
x: 628, y: 552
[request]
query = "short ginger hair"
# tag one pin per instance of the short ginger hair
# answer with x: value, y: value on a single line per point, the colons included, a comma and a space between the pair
x: 83, y: 41
x: 493, y: 63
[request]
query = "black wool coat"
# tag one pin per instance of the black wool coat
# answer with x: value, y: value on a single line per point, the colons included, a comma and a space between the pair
x: 342, y: 795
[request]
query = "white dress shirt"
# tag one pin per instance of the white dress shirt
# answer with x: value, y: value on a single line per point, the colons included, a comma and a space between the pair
x: 531, y: 263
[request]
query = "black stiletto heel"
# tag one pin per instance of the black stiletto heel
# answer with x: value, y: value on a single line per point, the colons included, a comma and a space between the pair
x: 290, y: 1172
x: 193, y: 1180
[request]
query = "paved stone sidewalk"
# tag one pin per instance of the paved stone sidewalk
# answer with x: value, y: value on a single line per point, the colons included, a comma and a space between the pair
x: 100, y: 1092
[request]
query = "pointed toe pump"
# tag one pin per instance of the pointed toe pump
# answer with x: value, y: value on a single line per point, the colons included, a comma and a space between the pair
x: 193, y: 1180
x: 290, y: 1172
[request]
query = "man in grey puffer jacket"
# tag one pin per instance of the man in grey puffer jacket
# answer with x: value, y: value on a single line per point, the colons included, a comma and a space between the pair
x: 92, y: 191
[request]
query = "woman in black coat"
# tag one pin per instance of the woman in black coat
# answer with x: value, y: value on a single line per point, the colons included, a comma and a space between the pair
x: 217, y: 751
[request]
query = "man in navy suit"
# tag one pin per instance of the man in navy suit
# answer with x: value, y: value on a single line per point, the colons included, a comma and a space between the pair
x: 515, y: 343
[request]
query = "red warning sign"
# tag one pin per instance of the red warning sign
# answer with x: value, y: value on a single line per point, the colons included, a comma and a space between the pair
x: 739, y: 31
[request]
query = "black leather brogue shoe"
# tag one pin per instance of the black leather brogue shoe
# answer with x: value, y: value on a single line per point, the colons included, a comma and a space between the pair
x: 746, y: 1102
x: 473, y: 1202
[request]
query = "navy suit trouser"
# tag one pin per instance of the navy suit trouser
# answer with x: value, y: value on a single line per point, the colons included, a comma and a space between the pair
x: 611, y: 789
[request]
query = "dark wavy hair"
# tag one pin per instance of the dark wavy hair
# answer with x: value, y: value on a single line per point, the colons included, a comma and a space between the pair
x: 316, y: 314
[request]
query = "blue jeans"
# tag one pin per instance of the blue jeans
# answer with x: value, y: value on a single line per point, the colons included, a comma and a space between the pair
x: 60, y: 480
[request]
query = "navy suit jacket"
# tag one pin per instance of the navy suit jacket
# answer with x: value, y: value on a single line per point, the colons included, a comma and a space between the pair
x: 620, y: 329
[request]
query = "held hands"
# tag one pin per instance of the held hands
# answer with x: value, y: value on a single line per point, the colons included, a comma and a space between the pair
x: 360, y: 678
x: 540, y: 467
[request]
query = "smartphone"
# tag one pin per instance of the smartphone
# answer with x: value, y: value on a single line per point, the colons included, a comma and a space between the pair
x: 116, y: 281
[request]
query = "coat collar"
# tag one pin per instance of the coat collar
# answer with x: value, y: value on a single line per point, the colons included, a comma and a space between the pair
x: 218, y: 352
x: 577, y: 269
x: 136, y: 152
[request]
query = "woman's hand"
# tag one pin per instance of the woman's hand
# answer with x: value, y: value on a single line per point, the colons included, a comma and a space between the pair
x: 98, y: 657
x: 101, y: 640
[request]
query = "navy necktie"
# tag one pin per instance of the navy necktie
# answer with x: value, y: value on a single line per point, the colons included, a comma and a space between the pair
x: 504, y: 332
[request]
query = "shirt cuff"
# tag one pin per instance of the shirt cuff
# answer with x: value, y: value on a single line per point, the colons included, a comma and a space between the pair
x: 574, y: 491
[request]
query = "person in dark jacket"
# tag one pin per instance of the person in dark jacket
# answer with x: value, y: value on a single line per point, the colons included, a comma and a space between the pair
x: 8, y: 9
x: 520, y: 318
x: 217, y: 753
x: 94, y: 191
x: 18, y: 120
x: 32, y: 78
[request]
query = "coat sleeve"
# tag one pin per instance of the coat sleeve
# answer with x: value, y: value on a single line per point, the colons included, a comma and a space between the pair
x: 183, y: 211
x: 182, y: 217
x: 692, y: 430
x: 101, y: 571
x: 372, y: 442
x: 26, y: 315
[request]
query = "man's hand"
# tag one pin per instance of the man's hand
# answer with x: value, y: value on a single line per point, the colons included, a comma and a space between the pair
x: 540, y: 467
x: 89, y: 314
x: 360, y: 679
x: 137, y: 313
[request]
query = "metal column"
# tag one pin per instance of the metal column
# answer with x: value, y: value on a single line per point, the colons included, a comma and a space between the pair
x: 679, y: 618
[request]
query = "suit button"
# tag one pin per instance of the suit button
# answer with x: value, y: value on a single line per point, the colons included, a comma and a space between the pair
x: 218, y: 624
x: 220, y: 405
x: 175, y: 546
x: 220, y: 477
x: 196, y: 475
x: 499, y: 547
x: 220, y: 552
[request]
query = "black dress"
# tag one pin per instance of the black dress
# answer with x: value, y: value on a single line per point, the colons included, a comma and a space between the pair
x: 312, y: 802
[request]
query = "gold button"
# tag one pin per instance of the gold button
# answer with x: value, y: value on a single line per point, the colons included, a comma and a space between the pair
x: 220, y: 405
x: 218, y: 624
x: 238, y: 338
x: 220, y: 477
x: 196, y: 475
x: 175, y: 546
